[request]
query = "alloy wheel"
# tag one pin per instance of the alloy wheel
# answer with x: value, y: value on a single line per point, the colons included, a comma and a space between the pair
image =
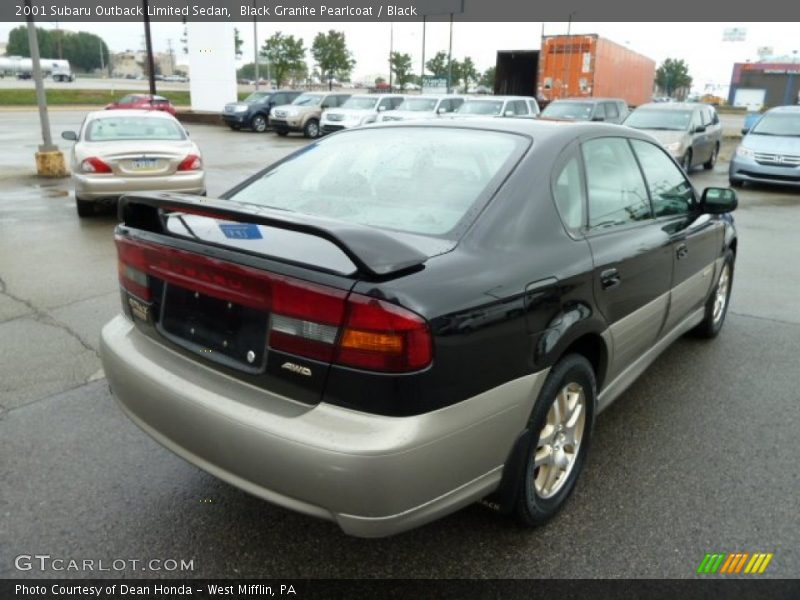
x: 721, y: 296
x: 559, y: 440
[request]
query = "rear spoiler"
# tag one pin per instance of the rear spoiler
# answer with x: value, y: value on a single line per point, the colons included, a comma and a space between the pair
x: 374, y: 253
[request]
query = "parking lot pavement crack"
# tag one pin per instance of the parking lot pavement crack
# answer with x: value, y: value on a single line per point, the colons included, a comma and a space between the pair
x: 43, y: 317
x: 770, y: 319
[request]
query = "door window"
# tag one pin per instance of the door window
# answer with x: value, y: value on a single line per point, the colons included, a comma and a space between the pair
x: 617, y: 192
x: 611, y: 111
x: 670, y: 192
x: 518, y: 107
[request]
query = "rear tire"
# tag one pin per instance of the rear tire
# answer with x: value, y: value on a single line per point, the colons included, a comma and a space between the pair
x: 85, y: 208
x: 561, y: 424
x: 708, y: 165
x: 686, y: 161
x: 258, y: 123
x: 719, y: 300
x: 311, y: 130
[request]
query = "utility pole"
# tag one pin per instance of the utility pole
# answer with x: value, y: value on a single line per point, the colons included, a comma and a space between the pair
x: 255, y: 43
x: 450, y: 58
x: 151, y: 66
x: 422, y: 65
x: 49, y: 159
x: 391, y: 51
x: 102, y: 56
x: 568, y: 62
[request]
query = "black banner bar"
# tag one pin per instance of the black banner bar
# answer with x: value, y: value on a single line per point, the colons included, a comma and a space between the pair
x: 398, y: 10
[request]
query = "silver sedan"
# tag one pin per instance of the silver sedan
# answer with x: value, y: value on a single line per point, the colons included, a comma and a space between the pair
x: 123, y: 151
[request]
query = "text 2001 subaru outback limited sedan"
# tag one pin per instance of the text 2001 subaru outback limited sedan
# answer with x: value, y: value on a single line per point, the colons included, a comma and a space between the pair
x: 400, y: 320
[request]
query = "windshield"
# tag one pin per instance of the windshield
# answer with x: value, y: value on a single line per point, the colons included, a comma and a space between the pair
x: 414, y: 180
x: 418, y: 104
x: 308, y: 100
x: 786, y: 124
x: 256, y: 97
x: 575, y: 111
x: 481, y: 107
x: 653, y: 118
x: 360, y: 102
x: 113, y: 129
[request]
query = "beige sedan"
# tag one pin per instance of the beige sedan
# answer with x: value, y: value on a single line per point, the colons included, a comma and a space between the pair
x: 123, y: 151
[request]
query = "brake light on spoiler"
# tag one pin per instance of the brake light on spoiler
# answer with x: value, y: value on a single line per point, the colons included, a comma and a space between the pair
x: 306, y: 319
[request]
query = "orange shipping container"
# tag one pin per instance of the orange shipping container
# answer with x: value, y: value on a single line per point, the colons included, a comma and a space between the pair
x: 588, y: 65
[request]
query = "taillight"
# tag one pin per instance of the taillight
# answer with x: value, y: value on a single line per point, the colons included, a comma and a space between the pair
x: 381, y: 336
x: 191, y: 163
x: 95, y: 165
x: 306, y: 319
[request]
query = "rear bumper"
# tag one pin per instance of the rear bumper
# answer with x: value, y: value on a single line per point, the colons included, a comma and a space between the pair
x: 747, y: 169
x: 372, y: 475
x: 93, y: 187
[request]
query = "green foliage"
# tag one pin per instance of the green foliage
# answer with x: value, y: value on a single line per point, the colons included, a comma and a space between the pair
x: 332, y: 56
x: 467, y: 73
x: 286, y: 55
x: 401, y: 67
x: 673, y: 75
x: 487, y: 79
x: 238, y: 42
x: 438, y: 65
x: 81, y: 49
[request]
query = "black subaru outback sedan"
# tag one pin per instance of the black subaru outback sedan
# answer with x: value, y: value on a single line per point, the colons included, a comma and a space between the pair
x: 399, y: 320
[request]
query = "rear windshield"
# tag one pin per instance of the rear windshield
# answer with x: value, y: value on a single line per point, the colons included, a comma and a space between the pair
x: 130, y: 99
x: 308, y: 100
x: 110, y: 129
x: 575, y: 111
x: 670, y: 120
x: 360, y: 102
x: 429, y: 181
x: 418, y: 104
x: 786, y: 124
x: 481, y: 107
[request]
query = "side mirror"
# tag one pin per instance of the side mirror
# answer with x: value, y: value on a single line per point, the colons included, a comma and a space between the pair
x: 745, y: 130
x: 441, y: 110
x: 509, y: 113
x: 69, y: 135
x: 700, y: 129
x: 381, y: 108
x: 716, y: 201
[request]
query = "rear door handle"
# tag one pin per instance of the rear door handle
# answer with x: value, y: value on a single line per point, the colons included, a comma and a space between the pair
x: 681, y: 251
x: 609, y: 278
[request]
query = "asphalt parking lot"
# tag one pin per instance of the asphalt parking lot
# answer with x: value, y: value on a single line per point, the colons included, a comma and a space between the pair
x: 697, y: 456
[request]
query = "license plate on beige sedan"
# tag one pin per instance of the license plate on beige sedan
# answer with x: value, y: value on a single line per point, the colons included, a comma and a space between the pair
x: 144, y: 164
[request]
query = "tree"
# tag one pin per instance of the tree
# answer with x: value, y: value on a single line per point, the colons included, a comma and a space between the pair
x: 238, y: 42
x: 83, y: 50
x: 455, y: 74
x: 468, y: 73
x: 286, y: 55
x: 673, y: 75
x: 401, y: 67
x: 438, y: 65
x: 332, y: 56
x: 487, y: 79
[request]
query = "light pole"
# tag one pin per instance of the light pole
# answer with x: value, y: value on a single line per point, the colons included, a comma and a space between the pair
x: 391, y: 51
x: 49, y: 159
x: 148, y: 42
x: 255, y: 44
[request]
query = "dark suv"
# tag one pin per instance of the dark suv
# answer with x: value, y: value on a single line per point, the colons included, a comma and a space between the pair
x: 608, y: 110
x: 253, y: 111
x: 398, y: 320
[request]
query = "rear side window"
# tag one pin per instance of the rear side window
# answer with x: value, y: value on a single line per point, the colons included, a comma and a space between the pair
x: 617, y: 192
x: 611, y: 110
x: 670, y: 192
x: 518, y: 107
x: 568, y: 193
x: 534, y: 108
x: 427, y: 181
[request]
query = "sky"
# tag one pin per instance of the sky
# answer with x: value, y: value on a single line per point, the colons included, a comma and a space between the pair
x: 710, y: 59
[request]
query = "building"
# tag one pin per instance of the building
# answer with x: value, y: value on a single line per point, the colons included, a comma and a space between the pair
x: 766, y: 84
x: 130, y: 65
